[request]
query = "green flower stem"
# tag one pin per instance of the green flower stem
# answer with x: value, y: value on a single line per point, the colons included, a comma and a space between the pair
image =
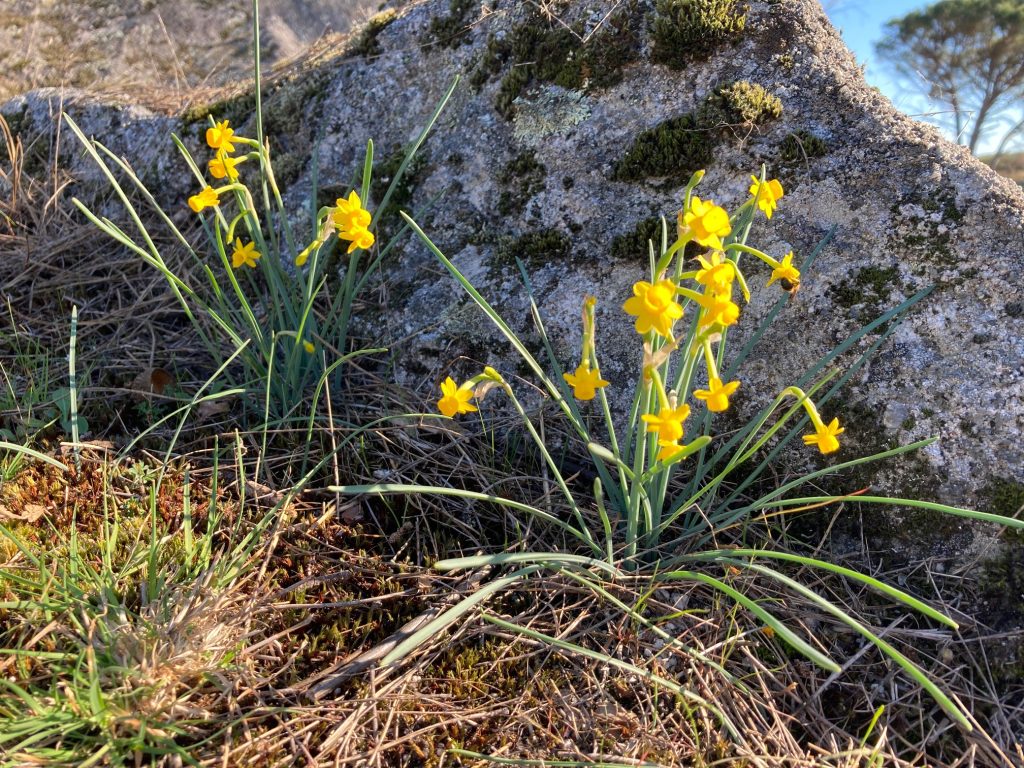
x: 754, y: 252
x: 639, y: 459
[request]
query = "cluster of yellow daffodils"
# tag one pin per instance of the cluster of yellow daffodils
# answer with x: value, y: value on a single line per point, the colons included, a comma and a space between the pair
x: 658, y: 305
x: 221, y: 138
x: 350, y: 220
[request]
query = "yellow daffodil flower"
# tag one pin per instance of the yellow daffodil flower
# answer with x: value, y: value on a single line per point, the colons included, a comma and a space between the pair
x: 585, y: 382
x: 221, y: 138
x: 454, y: 399
x: 787, y: 272
x: 706, y: 222
x: 717, y: 394
x: 825, y: 436
x: 719, y: 308
x: 244, y: 255
x: 349, y: 214
x: 717, y: 273
x: 360, y: 238
x: 303, y: 257
x: 769, y: 195
x: 654, y: 307
x: 308, y: 346
x: 351, y: 220
x: 205, y: 199
x: 224, y: 165
x: 668, y: 423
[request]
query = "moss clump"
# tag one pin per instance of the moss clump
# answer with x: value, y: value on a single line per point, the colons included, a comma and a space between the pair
x: 367, y: 43
x: 599, y: 63
x: 681, y: 145
x: 871, y: 284
x: 452, y: 30
x: 523, y: 178
x: 383, y: 174
x: 740, y: 103
x: 538, y: 50
x: 691, y: 30
x: 633, y: 246
x: 1005, y: 497
x: 675, y: 148
x: 802, y: 145
x: 537, y: 248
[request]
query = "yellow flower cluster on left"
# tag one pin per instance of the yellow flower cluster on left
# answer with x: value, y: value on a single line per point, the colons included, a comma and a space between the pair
x: 221, y: 138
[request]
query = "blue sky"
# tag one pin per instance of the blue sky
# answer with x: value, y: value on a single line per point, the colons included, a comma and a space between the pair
x: 861, y: 23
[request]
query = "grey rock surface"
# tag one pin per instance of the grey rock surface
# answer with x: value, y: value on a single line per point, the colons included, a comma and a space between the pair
x: 142, y: 47
x: 911, y: 210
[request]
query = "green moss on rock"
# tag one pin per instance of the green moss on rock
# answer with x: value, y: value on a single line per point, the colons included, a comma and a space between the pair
x: 633, y: 246
x: 692, y: 30
x: 674, y: 148
x: 1005, y: 497
x: 871, y: 284
x: 367, y: 43
x: 536, y: 248
x: 384, y: 173
x: 802, y: 145
x: 740, y: 103
x: 452, y: 30
x: 681, y: 145
x: 537, y: 50
x: 523, y: 177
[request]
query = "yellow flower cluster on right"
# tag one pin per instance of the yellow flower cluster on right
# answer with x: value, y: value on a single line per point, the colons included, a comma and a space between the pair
x: 658, y: 304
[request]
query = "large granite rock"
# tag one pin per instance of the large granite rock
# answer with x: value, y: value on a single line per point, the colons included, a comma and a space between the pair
x: 530, y: 155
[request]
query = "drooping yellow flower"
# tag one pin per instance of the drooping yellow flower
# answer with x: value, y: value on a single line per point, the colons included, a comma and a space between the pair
x: 707, y: 222
x: 205, y: 199
x: 654, y: 307
x: 717, y: 394
x: 769, y: 195
x: 221, y: 137
x: 668, y: 449
x: 224, y: 165
x: 786, y: 272
x: 719, y: 308
x: 308, y: 346
x: 360, y: 238
x: 825, y: 436
x: 585, y: 382
x: 668, y: 423
x: 244, y: 255
x: 349, y: 213
x: 302, y: 258
x: 717, y: 273
x: 454, y: 399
